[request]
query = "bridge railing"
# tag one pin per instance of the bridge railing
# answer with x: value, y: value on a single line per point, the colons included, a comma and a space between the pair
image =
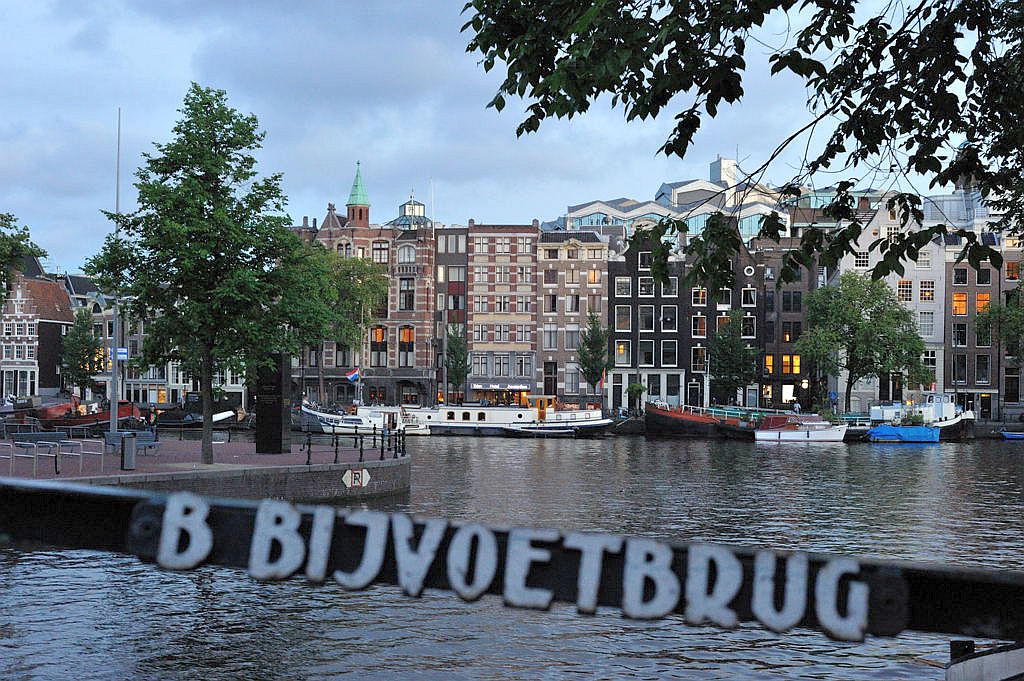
x: 846, y: 598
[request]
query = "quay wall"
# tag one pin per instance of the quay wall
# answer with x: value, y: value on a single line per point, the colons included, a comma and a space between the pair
x: 317, y: 482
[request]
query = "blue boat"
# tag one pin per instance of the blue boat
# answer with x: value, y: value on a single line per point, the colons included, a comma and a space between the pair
x: 1011, y: 436
x: 888, y: 433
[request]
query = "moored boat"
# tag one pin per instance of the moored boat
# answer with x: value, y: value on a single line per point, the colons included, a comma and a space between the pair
x: 538, y: 430
x: 125, y: 411
x: 684, y: 421
x: 1007, y: 435
x: 898, y: 433
x: 935, y: 410
x: 541, y: 413
x: 364, y: 420
x: 798, y: 428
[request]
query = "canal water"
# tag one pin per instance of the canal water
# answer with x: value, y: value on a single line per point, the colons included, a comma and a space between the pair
x: 98, y: 616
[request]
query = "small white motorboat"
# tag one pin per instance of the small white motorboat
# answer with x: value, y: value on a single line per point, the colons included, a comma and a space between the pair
x: 799, y: 428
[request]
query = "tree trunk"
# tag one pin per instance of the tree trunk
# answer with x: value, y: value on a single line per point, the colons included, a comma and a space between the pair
x: 849, y: 389
x: 320, y: 375
x: 206, y: 390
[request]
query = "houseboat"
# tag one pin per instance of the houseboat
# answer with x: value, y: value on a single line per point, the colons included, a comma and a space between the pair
x: 934, y: 410
x: 540, y: 418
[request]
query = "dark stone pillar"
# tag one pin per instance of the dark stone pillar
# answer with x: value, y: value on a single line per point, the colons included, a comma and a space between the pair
x: 273, y: 390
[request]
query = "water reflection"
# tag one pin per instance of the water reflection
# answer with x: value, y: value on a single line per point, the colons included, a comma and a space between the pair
x: 101, y: 616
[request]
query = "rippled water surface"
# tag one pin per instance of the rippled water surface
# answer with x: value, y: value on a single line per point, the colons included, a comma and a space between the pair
x: 98, y: 616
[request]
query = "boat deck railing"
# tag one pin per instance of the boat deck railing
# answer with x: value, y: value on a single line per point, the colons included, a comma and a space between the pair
x: 743, y: 413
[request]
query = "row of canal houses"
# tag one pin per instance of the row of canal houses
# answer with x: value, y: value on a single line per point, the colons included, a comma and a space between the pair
x: 521, y: 294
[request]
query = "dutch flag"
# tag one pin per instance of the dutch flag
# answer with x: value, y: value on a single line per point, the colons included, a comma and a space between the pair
x: 353, y: 375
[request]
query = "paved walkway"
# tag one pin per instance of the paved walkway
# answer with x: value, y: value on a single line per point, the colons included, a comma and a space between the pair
x: 178, y: 455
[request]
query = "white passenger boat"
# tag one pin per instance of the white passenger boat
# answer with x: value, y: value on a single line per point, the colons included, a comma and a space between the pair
x: 365, y: 420
x: 537, y: 419
x: 798, y: 428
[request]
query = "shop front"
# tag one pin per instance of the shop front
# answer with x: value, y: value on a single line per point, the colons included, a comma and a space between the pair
x: 500, y: 393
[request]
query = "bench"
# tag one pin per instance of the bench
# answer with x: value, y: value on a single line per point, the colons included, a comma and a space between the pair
x: 146, y: 441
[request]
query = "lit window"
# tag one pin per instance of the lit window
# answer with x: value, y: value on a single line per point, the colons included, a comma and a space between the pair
x: 699, y: 296
x: 1013, y: 271
x: 622, y: 353
x: 927, y: 291
x: 905, y: 290
x: 959, y: 304
x: 769, y: 364
x: 700, y: 326
x: 791, y: 364
x: 982, y: 302
x: 593, y: 276
x: 406, y: 346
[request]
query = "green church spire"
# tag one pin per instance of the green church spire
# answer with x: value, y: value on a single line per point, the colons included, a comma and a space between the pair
x: 357, y: 197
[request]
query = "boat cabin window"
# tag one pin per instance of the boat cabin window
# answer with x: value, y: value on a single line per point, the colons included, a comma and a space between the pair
x: 465, y: 416
x: 480, y: 416
x: 451, y: 416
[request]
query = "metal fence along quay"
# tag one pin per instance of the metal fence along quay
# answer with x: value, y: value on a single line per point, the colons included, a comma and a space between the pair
x: 845, y: 598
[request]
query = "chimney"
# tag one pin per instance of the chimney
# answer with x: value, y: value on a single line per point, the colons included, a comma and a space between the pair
x: 314, y: 223
x: 305, y: 222
x: 472, y: 222
x: 536, y: 223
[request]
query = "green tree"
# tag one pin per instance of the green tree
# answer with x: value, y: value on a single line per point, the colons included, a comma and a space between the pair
x: 733, y: 363
x: 207, y: 259
x: 633, y: 392
x: 961, y: 59
x: 593, y: 351
x: 1005, y: 321
x: 858, y: 326
x: 15, y: 245
x: 456, y: 358
x: 82, y: 355
x: 357, y: 288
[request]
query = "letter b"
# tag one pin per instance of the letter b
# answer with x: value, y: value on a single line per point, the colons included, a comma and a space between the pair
x: 184, y: 513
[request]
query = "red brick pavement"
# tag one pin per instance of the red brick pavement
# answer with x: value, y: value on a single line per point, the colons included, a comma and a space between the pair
x: 178, y: 455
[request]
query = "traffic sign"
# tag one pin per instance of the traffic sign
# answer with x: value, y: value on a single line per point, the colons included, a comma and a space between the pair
x: 356, y: 477
x: 122, y: 354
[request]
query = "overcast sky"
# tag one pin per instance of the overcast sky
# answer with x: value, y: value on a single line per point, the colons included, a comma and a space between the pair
x: 389, y: 84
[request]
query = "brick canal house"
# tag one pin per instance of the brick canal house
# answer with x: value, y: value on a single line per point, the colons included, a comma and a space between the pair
x: 572, y: 269
x: 501, y: 312
x: 451, y: 261
x: 397, y: 357
x: 660, y: 332
x: 36, y: 315
x: 974, y: 362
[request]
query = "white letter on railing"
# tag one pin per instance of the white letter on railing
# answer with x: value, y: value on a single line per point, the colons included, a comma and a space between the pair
x: 184, y: 512
x: 458, y: 561
x: 826, y: 601
x: 320, y: 543
x: 588, y: 581
x: 648, y: 559
x: 794, y: 600
x: 520, y: 554
x: 413, y: 565
x: 276, y: 521
x: 376, y: 525
x: 701, y: 605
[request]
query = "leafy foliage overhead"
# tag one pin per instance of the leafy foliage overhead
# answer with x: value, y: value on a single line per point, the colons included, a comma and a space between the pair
x: 15, y: 245
x: 931, y: 87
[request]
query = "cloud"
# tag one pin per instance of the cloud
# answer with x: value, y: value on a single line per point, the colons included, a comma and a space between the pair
x: 389, y: 84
